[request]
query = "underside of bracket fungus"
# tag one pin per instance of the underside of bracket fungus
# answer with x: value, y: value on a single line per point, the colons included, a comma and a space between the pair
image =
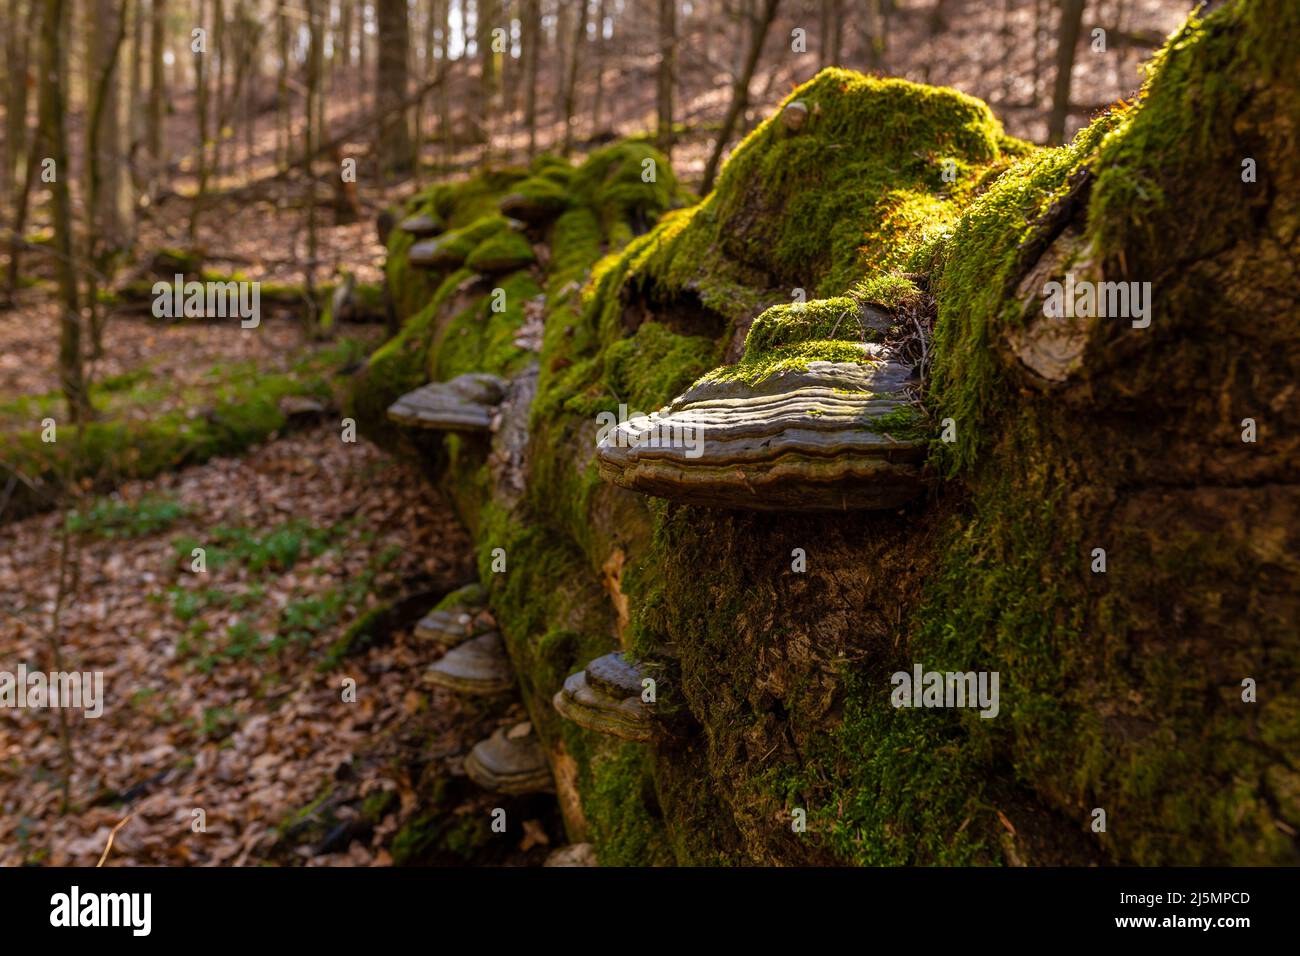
x: 451, y: 249
x: 465, y: 404
x: 606, y: 697
x: 786, y: 429
x: 478, y: 666
x: 421, y: 224
x: 510, y: 761
x: 458, y: 617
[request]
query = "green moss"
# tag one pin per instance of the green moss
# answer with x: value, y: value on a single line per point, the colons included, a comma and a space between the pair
x: 814, y: 210
x: 654, y: 365
x: 889, y: 289
x: 503, y: 251
x: 542, y: 196
x: 133, y: 439
x: 972, y: 266
x: 789, y: 358
x: 481, y: 339
x: 837, y: 318
x: 397, y: 367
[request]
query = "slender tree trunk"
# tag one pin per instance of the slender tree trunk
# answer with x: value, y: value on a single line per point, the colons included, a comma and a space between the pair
x: 201, y: 116
x: 106, y: 173
x: 315, y: 62
x: 23, y: 200
x: 157, y: 44
x: 1067, y: 38
x: 444, y: 95
x: 1039, y: 6
x: 135, y: 126
x: 16, y: 46
x: 571, y: 73
x: 345, y: 36
x: 531, y: 30
x: 740, y: 91
x: 53, y: 132
x: 217, y: 44
x: 283, y: 114
x: 105, y: 227
x: 667, y: 75
x: 394, y: 144
x: 599, y: 41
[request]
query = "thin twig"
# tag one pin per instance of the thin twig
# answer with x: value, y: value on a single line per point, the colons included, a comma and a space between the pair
x: 121, y: 823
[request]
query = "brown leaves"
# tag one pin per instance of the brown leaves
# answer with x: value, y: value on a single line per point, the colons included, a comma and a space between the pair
x: 256, y: 739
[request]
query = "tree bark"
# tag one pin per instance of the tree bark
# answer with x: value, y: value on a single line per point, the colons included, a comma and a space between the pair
x: 157, y: 43
x: 16, y: 49
x: 531, y: 29
x: 104, y: 194
x: 740, y: 91
x: 53, y: 93
x: 393, y: 148
x: 667, y: 75
x: 571, y: 74
x: 1067, y: 39
x: 599, y: 92
x: 201, y: 117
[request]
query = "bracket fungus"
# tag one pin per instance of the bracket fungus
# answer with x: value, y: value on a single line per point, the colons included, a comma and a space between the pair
x: 421, y: 224
x: 511, y: 761
x: 606, y: 697
x: 803, y: 422
x: 454, y: 625
x: 504, y: 251
x: 466, y: 403
x: 536, y: 201
x: 479, y: 666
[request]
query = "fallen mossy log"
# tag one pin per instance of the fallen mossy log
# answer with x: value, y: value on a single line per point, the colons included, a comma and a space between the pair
x: 1108, y: 521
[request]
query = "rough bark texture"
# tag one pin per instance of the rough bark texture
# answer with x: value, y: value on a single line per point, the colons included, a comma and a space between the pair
x: 394, y: 146
x: 774, y: 637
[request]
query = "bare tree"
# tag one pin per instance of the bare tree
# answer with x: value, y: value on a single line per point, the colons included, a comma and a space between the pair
x: 740, y: 91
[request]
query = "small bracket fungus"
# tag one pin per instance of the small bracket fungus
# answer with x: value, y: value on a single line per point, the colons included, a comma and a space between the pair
x: 466, y: 403
x: 479, y: 666
x: 511, y: 761
x: 421, y: 225
x: 606, y: 697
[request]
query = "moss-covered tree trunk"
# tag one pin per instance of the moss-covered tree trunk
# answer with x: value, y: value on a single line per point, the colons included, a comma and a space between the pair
x: 1109, y: 516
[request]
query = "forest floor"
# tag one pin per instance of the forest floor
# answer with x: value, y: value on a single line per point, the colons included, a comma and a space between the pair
x: 229, y: 734
x: 225, y: 691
